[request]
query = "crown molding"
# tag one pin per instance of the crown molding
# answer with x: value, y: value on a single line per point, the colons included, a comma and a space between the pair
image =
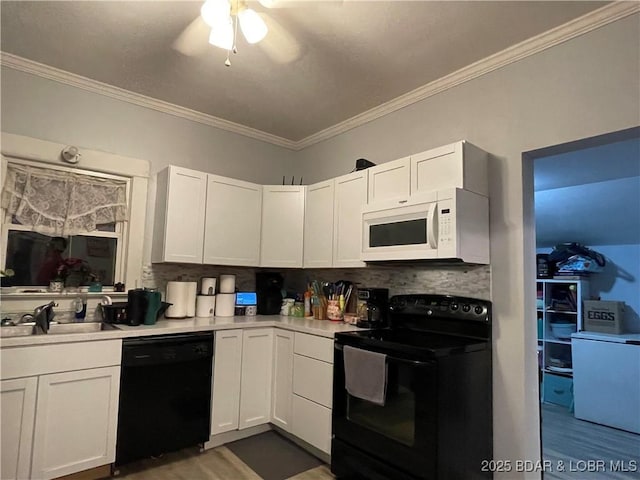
x: 94, y: 86
x: 574, y: 28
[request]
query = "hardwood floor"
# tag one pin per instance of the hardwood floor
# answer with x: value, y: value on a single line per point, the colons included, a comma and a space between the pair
x: 216, y: 464
x: 585, y: 449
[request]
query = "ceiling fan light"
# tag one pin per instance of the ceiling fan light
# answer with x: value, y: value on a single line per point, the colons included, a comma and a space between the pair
x: 253, y: 27
x: 215, y: 11
x: 222, y: 35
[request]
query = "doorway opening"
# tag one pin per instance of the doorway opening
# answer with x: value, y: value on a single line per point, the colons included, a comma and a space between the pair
x: 588, y: 192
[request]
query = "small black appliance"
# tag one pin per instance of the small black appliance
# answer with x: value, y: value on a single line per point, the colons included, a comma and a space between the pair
x: 269, y: 292
x: 373, y: 307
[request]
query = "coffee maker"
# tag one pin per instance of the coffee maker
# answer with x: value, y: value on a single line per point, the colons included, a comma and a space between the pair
x: 373, y: 307
x: 269, y: 292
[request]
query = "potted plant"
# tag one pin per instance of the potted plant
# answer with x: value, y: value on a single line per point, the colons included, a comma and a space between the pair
x: 73, y: 272
x: 6, y: 279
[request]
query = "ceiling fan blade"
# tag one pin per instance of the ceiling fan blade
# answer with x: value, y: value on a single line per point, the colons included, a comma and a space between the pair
x: 279, y: 44
x: 293, y: 3
x: 194, y: 39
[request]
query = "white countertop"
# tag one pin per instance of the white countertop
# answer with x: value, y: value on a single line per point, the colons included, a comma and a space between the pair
x: 325, y: 328
x: 607, y: 337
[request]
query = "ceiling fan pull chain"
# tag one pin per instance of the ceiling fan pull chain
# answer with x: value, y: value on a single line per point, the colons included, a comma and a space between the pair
x: 235, y: 31
x: 227, y: 62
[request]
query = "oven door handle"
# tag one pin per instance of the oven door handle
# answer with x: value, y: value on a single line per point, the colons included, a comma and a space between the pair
x: 414, y: 363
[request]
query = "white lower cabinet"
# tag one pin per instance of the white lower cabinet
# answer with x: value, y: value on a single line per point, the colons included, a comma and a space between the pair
x: 241, y: 379
x: 312, y: 423
x: 75, y: 426
x: 312, y: 390
x: 282, y: 387
x: 18, y: 408
x: 255, y: 386
x: 59, y: 408
x: 227, y: 365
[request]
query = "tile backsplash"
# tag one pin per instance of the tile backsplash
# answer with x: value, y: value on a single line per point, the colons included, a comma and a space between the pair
x: 464, y: 280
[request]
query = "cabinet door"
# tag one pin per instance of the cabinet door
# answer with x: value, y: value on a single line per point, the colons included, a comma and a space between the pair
x: 312, y: 423
x: 282, y: 226
x: 458, y: 165
x: 389, y: 181
x: 232, y: 226
x: 18, y: 408
x: 182, y: 221
x: 313, y: 380
x: 75, y: 427
x: 318, y: 225
x: 282, y: 378
x: 255, y: 388
x: 349, y: 198
x: 226, y: 381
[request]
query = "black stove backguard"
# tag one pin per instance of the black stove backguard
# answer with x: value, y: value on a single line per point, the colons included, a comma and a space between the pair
x: 436, y: 422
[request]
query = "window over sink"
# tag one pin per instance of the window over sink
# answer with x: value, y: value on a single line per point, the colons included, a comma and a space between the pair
x: 102, y: 240
x: 63, y: 224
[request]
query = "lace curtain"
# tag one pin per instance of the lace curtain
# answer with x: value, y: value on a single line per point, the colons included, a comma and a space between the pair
x: 60, y: 203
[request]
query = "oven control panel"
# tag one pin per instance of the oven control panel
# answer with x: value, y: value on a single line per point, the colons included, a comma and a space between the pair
x: 441, y: 306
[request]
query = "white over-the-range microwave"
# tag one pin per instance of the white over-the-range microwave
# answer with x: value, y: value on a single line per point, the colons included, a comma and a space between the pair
x: 451, y: 224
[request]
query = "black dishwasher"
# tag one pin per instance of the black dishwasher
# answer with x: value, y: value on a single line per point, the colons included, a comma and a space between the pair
x: 165, y: 394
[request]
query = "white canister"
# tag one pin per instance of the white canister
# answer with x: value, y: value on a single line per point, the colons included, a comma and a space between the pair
x: 192, y: 289
x: 177, y: 296
x: 208, y: 286
x: 227, y: 283
x: 225, y: 304
x: 205, y: 305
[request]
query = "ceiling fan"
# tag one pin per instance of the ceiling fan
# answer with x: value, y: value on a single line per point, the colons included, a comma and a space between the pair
x: 218, y: 25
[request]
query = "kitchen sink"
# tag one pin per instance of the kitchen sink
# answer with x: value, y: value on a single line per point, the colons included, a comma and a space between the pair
x: 88, y: 327
x: 17, y: 330
x: 56, y: 328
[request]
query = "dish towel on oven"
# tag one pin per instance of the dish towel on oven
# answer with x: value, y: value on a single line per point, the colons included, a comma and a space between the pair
x: 365, y: 374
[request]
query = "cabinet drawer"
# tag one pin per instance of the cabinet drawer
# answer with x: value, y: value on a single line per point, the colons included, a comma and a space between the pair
x: 313, y: 379
x: 59, y: 357
x: 320, y: 348
x: 312, y: 423
x: 558, y: 390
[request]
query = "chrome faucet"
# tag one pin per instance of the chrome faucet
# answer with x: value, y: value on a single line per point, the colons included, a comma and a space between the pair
x: 43, y: 316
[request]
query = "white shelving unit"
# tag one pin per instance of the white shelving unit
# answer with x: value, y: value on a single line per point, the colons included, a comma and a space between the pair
x: 558, y: 301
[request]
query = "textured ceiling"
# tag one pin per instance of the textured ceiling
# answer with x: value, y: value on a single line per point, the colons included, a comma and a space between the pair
x: 353, y: 55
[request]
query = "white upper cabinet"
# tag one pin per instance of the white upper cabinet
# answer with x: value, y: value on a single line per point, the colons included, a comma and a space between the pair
x: 232, y: 225
x: 318, y: 225
x: 349, y: 198
x: 282, y: 226
x: 458, y: 165
x: 179, y: 217
x: 390, y: 181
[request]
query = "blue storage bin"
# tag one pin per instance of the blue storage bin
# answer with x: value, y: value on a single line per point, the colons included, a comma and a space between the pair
x: 558, y: 389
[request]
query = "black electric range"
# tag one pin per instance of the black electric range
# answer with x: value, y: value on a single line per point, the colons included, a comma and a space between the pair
x: 436, y: 420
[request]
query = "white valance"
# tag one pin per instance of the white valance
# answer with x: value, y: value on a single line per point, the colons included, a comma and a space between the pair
x: 61, y: 203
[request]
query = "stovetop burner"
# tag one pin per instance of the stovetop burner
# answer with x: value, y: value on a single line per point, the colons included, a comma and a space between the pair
x: 429, y: 325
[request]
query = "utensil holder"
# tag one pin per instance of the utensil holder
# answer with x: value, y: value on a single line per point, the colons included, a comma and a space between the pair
x: 319, y: 312
x: 334, y: 313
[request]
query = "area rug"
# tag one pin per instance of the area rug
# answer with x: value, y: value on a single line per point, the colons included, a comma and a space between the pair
x: 272, y: 456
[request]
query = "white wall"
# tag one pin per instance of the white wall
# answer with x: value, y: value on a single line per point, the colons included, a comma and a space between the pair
x: 48, y: 110
x: 582, y: 88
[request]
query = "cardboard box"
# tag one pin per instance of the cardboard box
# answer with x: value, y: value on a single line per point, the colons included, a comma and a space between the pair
x: 603, y: 316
